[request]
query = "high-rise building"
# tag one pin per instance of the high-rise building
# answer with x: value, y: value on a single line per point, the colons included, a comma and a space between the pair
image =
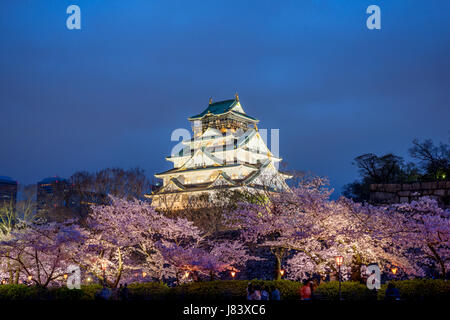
x: 52, y: 193
x: 226, y: 153
x: 8, y: 191
x: 58, y: 199
x: 80, y: 201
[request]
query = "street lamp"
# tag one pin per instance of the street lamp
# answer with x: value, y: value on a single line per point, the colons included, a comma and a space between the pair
x: 233, y: 274
x: 144, y: 274
x: 281, y: 272
x: 29, y: 278
x: 65, y: 276
x: 339, y: 260
x: 394, y: 270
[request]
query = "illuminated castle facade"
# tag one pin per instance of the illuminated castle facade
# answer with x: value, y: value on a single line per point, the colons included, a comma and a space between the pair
x: 226, y: 153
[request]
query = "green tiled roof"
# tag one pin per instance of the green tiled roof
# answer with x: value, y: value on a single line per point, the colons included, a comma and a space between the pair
x: 217, y: 108
x: 221, y: 107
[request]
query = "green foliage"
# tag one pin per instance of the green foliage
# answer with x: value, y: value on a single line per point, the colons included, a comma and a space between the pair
x: 210, y: 290
x: 65, y: 293
x: 231, y: 289
x: 23, y: 292
x: 16, y: 292
x: 89, y: 291
x: 419, y: 289
x: 148, y: 291
x: 410, y: 290
x: 350, y: 290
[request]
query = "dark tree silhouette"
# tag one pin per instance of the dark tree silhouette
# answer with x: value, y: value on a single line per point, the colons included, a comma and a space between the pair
x: 433, y: 160
x: 433, y: 165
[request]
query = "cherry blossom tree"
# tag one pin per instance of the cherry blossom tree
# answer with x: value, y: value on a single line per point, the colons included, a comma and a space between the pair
x: 118, y: 233
x: 313, y: 230
x: 208, y: 257
x: 286, y: 220
x: 43, y: 251
x: 423, y: 229
x: 186, y: 248
x: 13, y: 217
x: 368, y: 238
x: 129, y: 237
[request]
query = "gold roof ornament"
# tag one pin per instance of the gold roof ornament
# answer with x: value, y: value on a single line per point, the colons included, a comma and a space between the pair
x: 210, y: 100
x: 237, y: 96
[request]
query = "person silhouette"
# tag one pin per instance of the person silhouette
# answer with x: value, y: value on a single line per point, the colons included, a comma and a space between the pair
x: 124, y: 292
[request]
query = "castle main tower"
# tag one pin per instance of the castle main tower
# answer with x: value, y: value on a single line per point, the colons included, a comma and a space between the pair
x: 226, y: 152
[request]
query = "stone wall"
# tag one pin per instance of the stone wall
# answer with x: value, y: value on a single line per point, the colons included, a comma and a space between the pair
x: 406, y: 192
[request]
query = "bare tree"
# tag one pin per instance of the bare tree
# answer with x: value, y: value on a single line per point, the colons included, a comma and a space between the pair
x: 12, y: 217
x: 127, y: 184
x: 434, y: 160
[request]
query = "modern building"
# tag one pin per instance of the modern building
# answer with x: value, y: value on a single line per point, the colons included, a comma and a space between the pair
x: 80, y: 201
x: 226, y: 153
x: 8, y: 191
x: 52, y: 193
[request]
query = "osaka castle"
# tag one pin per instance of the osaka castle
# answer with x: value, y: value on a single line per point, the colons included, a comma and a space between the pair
x: 226, y: 152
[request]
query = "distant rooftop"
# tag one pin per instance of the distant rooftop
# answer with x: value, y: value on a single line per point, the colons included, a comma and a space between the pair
x: 5, y: 179
x: 221, y: 107
x: 51, y: 180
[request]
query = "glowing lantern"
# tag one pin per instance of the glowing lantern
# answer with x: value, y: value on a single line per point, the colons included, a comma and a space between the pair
x: 394, y: 270
x: 339, y: 260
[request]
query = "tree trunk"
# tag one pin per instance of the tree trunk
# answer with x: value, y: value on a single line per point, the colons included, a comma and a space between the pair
x: 10, y: 271
x: 16, y: 280
x: 356, y: 268
x: 438, y: 260
x: 119, y: 272
x: 277, y: 267
x: 443, y: 271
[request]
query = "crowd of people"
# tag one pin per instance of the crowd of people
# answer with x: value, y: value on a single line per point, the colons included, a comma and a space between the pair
x: 306, y: 292
x: 256, y: 292
x: 121, y: 293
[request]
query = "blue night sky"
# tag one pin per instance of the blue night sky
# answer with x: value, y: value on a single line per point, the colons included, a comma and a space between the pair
x: 111, y: 93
